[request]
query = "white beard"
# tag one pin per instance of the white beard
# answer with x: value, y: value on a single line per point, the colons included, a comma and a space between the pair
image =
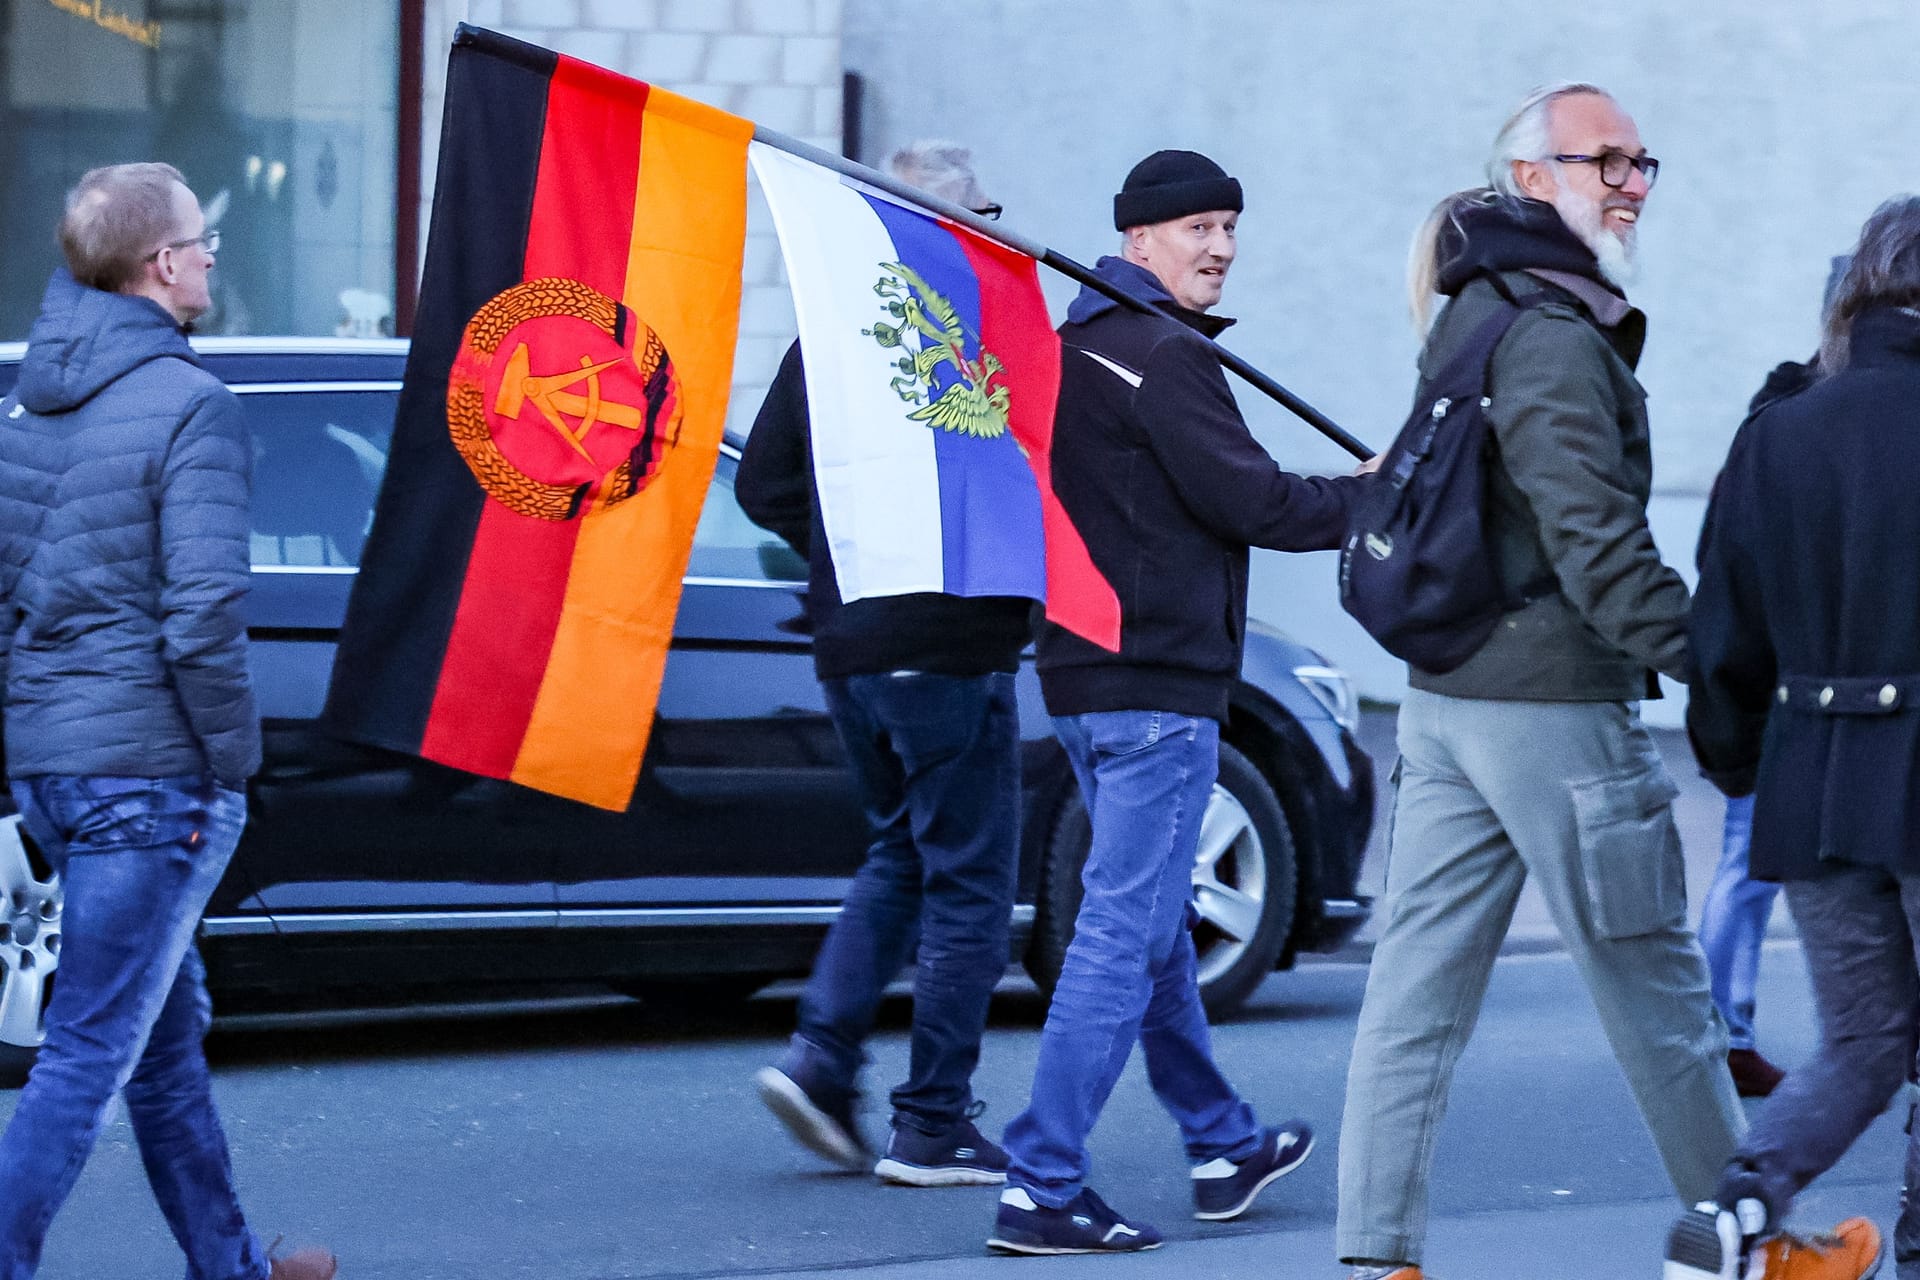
x: 1617, y: 254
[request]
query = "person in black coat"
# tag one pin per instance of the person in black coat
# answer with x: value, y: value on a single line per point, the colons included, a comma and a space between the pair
x: 1806, y: 693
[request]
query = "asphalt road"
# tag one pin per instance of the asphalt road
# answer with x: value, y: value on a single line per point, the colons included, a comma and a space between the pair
x: 591, y: 1139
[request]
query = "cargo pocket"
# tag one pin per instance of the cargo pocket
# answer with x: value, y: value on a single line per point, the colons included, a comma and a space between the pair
x: 1630, y: 854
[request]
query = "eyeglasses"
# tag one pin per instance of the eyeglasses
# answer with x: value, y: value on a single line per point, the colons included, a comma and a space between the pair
x: 209, y: 240
x: 991, y: 212
x: 1616, y: 165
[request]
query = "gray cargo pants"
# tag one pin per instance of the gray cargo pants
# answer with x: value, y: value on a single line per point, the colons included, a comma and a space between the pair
x: 1858, y: 927
x: 1575, y: 795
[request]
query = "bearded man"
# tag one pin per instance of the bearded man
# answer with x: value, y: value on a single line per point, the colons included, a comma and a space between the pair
x: 1530, y: 760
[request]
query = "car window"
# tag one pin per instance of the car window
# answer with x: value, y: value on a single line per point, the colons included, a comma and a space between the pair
x: 317, y: 461
x: 726, y: 544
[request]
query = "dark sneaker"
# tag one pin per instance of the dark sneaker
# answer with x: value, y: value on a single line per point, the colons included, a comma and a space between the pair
x: 1085, y: 1225
x: 960, y: 1157
x: 1223, y: 1189
x: 1710, y: 1243
x: 1753, y: 1075
x: 822, y: 1125
x: 302, y: 1264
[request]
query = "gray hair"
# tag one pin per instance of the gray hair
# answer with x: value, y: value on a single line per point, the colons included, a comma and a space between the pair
x: 1528, y: 133
x: 114, y: 218
x: 1884, y: 272
x: 943, y: 169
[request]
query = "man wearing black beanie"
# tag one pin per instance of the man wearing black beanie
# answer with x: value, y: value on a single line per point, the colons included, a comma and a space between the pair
x: 1159, y: 473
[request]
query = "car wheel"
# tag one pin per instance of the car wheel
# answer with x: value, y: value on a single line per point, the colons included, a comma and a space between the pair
x: 30, y: 906
x: 1244, y: 879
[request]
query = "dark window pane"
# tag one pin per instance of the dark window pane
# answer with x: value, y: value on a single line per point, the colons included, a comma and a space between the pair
x: 728, y: 545
x: 317, y: 461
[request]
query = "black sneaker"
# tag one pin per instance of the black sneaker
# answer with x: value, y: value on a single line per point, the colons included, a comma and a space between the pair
x: 1223, y: 1189
x: 960, y: 1157
x: 1086, y: 1225
x: 822, y: 1125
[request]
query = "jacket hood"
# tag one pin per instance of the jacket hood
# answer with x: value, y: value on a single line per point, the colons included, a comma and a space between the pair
x: 1135, y: 280
x: 86, y: 338
x: 1884, y: 335
x: 1511, y: 235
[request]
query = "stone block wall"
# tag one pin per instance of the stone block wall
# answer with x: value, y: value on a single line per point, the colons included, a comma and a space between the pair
x: 776, y: 62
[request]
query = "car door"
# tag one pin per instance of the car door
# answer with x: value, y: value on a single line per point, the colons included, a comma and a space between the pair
x: 345, y: 837
x: 744, y: 799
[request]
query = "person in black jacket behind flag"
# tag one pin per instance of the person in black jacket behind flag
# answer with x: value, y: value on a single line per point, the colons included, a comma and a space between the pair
x: 1157, y: 470
x: 921, y: 691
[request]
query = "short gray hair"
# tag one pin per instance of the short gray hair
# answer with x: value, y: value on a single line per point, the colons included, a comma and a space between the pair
x: 1528, y: 133
x: 114, y: 217
x: 1884, y: 272
x: 943, y: 169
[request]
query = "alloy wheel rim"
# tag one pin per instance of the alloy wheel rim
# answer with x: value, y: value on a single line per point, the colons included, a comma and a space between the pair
x: 30, y: 932
x: 1229, y: 884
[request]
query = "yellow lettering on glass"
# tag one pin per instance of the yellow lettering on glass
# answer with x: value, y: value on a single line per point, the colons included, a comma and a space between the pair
x: 119, y: 23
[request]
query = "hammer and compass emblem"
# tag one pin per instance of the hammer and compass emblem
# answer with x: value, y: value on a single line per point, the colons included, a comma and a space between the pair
x: 587, y: 431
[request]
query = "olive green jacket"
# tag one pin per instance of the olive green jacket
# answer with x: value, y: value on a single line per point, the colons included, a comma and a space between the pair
x: 1567, y: 501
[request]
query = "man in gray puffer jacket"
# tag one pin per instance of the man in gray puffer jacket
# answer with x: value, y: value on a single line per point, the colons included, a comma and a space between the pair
x: 130, y: 723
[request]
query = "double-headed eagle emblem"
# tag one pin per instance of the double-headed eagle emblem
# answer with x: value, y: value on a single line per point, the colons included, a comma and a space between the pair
x: 972, y: 402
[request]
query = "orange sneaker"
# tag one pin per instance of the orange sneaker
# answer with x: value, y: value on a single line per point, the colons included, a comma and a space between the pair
x: 1374, y: 1273
x: 1851, y: 1252
x: 1705, y: 1245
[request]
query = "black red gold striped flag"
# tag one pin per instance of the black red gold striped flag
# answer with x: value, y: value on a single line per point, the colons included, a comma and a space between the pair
x: 563, y: 406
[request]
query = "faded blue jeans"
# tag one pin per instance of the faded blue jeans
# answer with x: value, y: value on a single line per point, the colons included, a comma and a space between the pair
x: 139, y: 858
x: 1130, y: 973
x: 937, y: 760
x: 1733, y: 924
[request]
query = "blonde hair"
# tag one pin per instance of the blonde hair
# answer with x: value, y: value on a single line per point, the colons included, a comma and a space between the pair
x: 1423, y: 257
x: 115, y: 217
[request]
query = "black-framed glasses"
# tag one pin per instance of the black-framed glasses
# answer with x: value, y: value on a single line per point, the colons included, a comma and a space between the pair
x: 1616, y: 165
x: 209, y: 240
x: 991, y: 212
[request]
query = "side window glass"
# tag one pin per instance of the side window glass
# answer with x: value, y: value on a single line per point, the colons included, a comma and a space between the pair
x: 317, y: 461
x: 726, y: 544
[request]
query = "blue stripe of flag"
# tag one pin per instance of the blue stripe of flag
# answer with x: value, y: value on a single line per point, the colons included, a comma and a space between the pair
x: 992, y: 538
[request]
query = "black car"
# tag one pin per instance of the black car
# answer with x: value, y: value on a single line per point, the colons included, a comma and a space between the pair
x: 362, y: 867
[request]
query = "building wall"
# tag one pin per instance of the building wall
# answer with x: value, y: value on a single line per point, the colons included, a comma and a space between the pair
x: 1780, y: 124
x: 776, y: 62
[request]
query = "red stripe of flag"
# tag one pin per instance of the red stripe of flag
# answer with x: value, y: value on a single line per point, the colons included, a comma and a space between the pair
x: 1014, y: 325
x: 516, y: 580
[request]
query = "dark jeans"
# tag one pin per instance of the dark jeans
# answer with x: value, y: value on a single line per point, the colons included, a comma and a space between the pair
x: 139, y: 858
x: 1858, y: 930
x: 938, y: 765
x: 1130, y: 972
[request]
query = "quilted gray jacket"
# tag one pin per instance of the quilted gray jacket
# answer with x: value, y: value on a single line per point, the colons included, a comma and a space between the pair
x: 124, y: 476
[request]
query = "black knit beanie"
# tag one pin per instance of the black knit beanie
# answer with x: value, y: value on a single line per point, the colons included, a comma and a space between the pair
x: 1173, y: 184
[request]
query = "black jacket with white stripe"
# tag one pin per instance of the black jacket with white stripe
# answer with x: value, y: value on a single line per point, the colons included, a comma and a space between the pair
x: 1159, y: 473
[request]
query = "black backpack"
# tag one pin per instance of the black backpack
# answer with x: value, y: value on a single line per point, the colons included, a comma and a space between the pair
x: 1416, y: 568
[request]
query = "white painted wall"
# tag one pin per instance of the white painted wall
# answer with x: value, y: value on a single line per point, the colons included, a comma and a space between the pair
x: 1780, y: 124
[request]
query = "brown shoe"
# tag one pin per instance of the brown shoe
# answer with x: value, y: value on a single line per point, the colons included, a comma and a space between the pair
x: 1753, y: 1075
x: 304, y: 1264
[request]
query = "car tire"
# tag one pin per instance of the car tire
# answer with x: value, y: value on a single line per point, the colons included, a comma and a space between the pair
x: 31, y: 902
x: 1245, y: 879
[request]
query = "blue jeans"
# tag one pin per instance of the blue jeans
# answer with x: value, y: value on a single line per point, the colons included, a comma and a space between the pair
x: 139, y: 858
x: 1733, y: 923
x: 1129, y: 975
x: 937, y: 761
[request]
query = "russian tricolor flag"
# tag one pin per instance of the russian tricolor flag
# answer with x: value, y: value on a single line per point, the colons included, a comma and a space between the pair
x: 932, y: 374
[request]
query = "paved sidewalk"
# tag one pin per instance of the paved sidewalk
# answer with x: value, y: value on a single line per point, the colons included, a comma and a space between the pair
x: 1571, y: 1242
